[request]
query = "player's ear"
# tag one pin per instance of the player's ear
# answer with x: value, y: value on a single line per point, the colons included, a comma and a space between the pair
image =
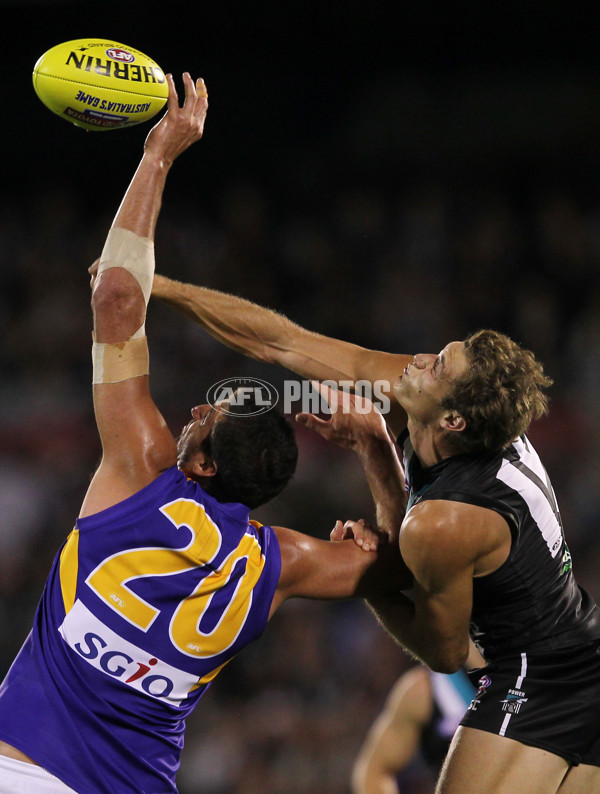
x: 206, y: 468
x: 200, y: 465
x: 453, y: 421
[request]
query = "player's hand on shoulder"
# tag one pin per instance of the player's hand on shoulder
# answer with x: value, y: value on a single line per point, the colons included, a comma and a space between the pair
x: 182, y: 125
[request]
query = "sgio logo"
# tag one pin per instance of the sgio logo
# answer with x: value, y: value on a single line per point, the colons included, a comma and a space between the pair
x: 119, y: 664
x: 245, y: 396
x: 114, y: 656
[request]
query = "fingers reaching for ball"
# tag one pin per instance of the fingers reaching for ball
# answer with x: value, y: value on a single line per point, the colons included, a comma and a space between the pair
x: 201, y: 89
x: 194, y: 91
x: 182, y: 124
x: 173, y: 100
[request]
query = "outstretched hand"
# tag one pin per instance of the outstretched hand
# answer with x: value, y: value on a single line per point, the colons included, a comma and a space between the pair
x: 352, y: 419
x: 181, y: 126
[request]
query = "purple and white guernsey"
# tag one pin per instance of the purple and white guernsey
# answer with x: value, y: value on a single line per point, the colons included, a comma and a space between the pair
x: 145, y: 603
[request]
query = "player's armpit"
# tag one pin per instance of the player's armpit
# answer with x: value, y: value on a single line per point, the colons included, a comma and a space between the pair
x: 313, y: 568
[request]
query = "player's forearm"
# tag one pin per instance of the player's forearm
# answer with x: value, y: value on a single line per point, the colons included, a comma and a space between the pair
x: 397, y: 615
x: 374, y: 781
x: 141, y: 204
x: 385, y: 477
x: 261, y: 333
x: 179, y: 128
x: 119, y: 305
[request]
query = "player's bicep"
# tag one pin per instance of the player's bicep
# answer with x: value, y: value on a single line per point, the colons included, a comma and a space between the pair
x: 313, y: 568
x: 406, y: 712
x: 132, y: 429
x: 438, y: 549
x: 394, y: 738
x: 387, y: 750
x: 136, y: 443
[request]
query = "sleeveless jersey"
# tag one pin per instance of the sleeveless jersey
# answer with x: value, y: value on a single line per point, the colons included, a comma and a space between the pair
x: 145, y: 603
x: 532, y: 602
x: 451, y: 696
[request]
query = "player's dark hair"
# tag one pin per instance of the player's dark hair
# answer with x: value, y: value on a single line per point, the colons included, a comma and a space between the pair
x: 499, y: 395
x: 256, y: 455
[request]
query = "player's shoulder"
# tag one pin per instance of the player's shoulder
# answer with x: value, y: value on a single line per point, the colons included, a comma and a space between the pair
x: 441, y: 524
x: 411, y: 695
x: 437, y: 523
x: 415, y: 680
x: 296, y: 552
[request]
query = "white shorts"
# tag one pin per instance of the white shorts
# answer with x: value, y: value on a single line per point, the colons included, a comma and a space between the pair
x: 20, y: 777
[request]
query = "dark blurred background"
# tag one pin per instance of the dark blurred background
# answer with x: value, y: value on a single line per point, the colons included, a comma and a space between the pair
x: 397, y: 175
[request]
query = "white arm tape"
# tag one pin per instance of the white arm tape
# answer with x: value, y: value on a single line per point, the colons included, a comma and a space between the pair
x: 113, y: 363
x: 131, y: 252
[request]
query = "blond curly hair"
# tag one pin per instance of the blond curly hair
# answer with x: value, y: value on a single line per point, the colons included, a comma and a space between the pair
x: 499, y: 395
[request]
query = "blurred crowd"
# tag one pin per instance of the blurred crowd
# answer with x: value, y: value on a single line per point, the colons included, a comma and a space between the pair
x: 404, y: 270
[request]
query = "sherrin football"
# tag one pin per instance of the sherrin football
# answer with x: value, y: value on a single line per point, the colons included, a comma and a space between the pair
x: 99, y: 84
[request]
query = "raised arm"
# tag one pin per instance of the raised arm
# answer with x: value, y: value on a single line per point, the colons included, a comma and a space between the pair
x: 341, y: 569
x: 394, y: 738
x: 268, y: 336
x: 136, y: 443
x: 357, y: 425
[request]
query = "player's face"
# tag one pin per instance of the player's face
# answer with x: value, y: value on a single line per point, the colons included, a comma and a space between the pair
x: 193, y: 436
x: 428, y: 379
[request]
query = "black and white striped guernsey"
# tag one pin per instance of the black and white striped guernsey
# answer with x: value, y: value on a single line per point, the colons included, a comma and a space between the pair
x: 532, y: 602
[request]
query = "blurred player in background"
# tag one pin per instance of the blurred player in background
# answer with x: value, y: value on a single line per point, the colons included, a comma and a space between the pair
x: 164, y: 578
x: 419, y: 719
x: 482, y: 536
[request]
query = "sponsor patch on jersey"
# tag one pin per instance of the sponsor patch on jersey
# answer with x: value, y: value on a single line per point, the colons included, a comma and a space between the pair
x: 118, y: 658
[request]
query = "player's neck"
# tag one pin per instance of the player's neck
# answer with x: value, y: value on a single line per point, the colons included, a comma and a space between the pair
x: 429, y: 444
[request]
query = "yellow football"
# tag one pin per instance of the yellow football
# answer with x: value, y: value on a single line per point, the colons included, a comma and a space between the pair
x: 99, y: 84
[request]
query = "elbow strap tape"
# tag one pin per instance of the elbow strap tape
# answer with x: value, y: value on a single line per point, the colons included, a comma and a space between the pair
x: 113, y: 363
x: 131, y: 252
